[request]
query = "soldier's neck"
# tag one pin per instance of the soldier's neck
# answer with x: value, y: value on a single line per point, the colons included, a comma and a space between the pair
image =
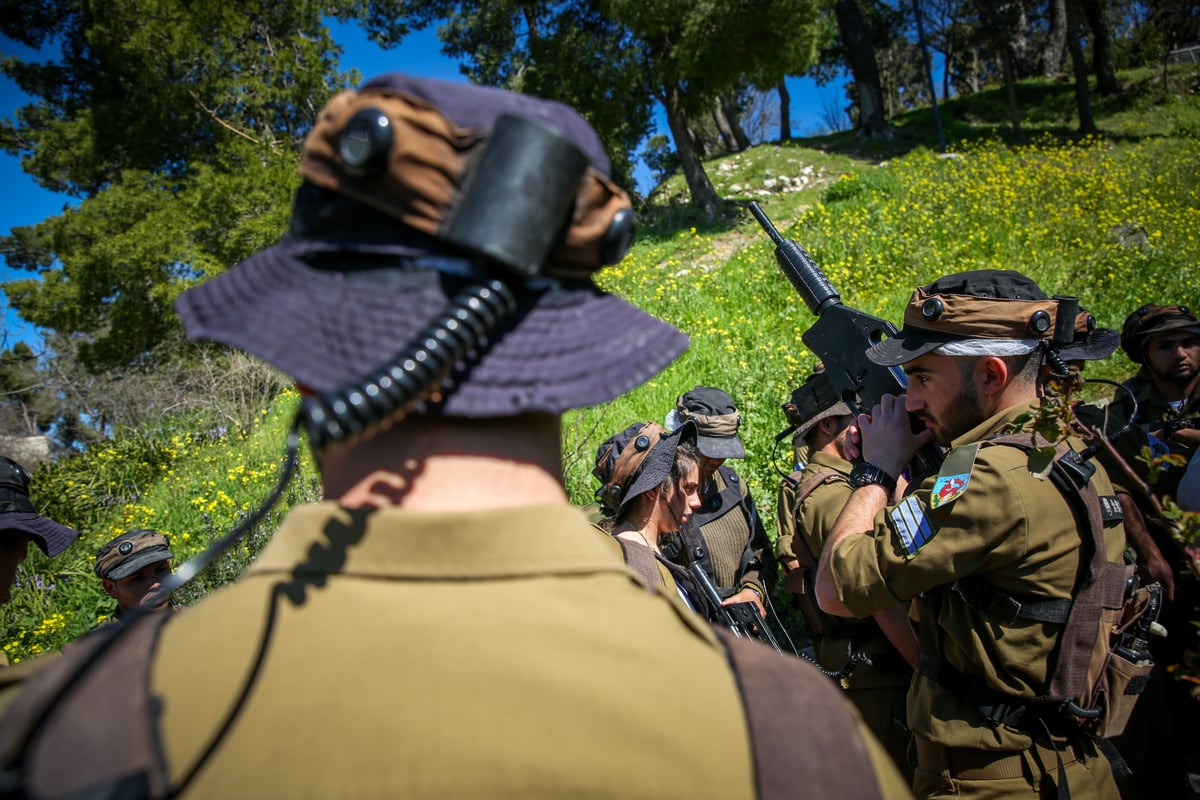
x: 450, y: 464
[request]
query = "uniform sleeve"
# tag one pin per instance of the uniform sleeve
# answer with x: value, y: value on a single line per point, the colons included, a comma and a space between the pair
x: 923, y: 542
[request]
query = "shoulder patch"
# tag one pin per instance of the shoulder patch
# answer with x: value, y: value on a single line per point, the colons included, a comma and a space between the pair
x: 912, y: 528
x: 955, y: 474
x: 1158, y: 448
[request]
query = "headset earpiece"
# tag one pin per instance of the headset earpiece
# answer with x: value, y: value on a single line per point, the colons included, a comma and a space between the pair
x: 366, y: 143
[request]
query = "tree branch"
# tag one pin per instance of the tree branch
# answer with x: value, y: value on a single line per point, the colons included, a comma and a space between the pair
x: 220, y: 121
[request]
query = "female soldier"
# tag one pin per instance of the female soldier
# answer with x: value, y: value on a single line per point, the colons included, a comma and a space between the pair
x: 650, y: 489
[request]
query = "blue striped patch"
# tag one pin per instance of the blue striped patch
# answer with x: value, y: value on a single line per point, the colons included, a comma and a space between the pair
x: 914, y: 530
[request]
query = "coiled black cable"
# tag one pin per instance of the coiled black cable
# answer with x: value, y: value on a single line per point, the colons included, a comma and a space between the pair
x: 383, y: 397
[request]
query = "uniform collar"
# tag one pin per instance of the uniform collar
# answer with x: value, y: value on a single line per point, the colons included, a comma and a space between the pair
x: 324, y: 538
x: 831, y: 461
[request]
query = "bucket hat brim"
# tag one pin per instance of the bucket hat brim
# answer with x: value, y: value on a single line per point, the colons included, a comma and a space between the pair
x: 907, y: 345
x: 659, y: 461
x: 51, y: 537
x: 721, y: 447
x: 1096, y: 346
x: 568, y: 345
x: 838, y: 409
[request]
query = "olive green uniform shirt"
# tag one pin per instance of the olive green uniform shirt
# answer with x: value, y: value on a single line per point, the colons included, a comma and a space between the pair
x: 507, y: 653
x: 785, y: 501
x: 814, y: 523
x: 1013, y: 528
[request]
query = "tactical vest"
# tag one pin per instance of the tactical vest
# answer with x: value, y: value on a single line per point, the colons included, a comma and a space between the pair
x: 804, y: 587
x: 859, y: 632
x: 1093, y: 686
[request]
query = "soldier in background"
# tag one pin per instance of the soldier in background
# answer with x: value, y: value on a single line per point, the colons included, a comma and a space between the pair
x: 1165, y: 341
x: 132, y: 568
x: 872, y: 658
x: 727, y: 536
x: 20, y: 524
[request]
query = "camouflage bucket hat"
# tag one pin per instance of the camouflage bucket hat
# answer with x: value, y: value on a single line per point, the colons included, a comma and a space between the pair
x: 375, y: 253
x: 811, y: 402
x: 717, y: 421
x: 636, y: 460
x: 972, y: 305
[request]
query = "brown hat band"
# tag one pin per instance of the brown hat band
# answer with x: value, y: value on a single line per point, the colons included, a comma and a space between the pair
x: 429, y: 159
x: 967, y: 316
x: 631, y: 458
x: 715, y: 425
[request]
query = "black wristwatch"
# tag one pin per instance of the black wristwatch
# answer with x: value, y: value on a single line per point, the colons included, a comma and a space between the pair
x: 865, y: 474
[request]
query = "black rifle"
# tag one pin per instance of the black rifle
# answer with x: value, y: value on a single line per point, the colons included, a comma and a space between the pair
x: 741, y: 618
x: 840, y: 338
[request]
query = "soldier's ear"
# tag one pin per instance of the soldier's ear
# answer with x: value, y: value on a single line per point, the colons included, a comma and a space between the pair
x: 991, y: 374
x: 110, y: 588
x: 832, y: 426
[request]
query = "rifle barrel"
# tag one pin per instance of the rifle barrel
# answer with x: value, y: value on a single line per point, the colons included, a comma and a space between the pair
x: 798, y: 266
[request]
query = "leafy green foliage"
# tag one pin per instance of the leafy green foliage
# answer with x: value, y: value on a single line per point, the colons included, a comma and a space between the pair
x: 570, y: 52
x: 191, y: 478
x: 178, y: 126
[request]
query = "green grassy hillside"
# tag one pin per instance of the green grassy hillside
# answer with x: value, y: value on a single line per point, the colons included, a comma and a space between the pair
x: 1113, y: 219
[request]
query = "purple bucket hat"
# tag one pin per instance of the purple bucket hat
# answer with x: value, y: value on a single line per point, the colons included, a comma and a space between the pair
x: 17, y: 512
x: 320, y: 310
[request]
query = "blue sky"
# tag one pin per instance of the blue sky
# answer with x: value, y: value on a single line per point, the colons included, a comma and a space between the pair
x: 23, y: 202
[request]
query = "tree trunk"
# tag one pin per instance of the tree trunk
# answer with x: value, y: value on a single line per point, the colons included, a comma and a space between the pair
x: 723, y: 128
x: 860, y: 54
x: 740, y: 139
x: 704, y: 196
x: 785, y: 112
x: 1106, y: 79
x: 950, y: 56
x: 1010, y: 89
x: 697, y: 141
x: 1056, y: 40
x: 1079, y: 65
x: 998, y: 22
x: 1019, y: 42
